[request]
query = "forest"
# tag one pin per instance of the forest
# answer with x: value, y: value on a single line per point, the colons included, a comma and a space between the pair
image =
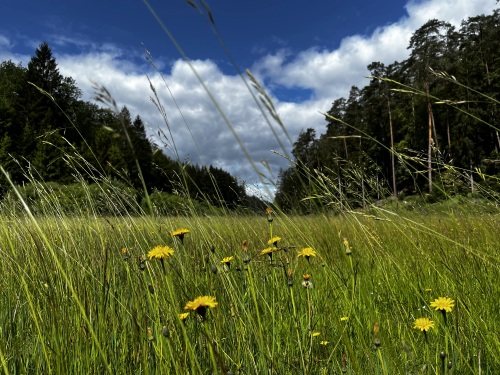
x: 47, y: 133
x: 428, y: 125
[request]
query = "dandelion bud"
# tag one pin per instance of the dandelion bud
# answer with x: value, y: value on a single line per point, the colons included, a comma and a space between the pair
x: 165, y: 332
x: 376, y: 336
x: 150, y: 334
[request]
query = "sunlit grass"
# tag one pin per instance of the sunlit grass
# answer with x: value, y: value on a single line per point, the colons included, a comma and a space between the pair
x: 108, y: 307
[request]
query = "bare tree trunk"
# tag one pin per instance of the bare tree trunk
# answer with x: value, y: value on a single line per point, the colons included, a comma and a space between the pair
x: 394, y: 189
x: 429, y: 151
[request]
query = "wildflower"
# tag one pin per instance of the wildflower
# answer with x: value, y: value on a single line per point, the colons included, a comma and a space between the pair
x: 180, y: 233
x: 348, y: 250
x: 125, y: 253
x: 289, y: 280
x: 306, y: 252
x: 306, y: 283
x: 423, y: 324
x: 444, y: 304
x: 315, y: 334
x: 183, y: 316
x: 268, y: 251
x: 269, y: 216
x: 160, y: 252
x: 344, y: 319
x: 200, y: 305
x: 246, y: 256
x: 227, y: 261
x: 324, y: 343
x: 274, y: 241
x: 376, y: 335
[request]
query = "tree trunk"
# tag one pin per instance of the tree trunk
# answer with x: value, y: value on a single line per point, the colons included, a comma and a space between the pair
x: 429, y: 151
x: 392, y: 151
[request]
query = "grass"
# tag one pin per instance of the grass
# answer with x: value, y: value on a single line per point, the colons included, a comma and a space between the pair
x: 80, y: 295
x: 73, y: 301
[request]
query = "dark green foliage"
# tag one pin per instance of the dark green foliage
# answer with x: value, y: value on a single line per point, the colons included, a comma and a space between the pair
x: 48, y: 134
x: 438, y: 110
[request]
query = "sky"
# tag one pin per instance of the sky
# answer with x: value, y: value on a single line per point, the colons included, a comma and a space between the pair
x: 304, y: 53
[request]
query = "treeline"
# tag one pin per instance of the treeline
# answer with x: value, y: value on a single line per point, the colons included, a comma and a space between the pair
x: 427, y: 124
x: 47, y: 133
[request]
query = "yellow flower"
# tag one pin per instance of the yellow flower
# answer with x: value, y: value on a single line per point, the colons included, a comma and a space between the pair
x: 423, y: 324
x: 443, y: 303
x: 274, y: 241
x: 268, y: 210
x: 344, y: 319
x: 124, y: 251
x: 227, y: 260
x: 180, y: 233
x: 160, y: 252
x: 324, y: 343
x: 306, y: 253
x: 183, y: 316
x: 315, y: 334
x: 200, y: 304
x: 306, y: 277
x: 267, y: 250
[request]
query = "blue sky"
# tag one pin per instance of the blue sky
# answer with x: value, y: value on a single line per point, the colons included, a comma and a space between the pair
x: 306, y: 54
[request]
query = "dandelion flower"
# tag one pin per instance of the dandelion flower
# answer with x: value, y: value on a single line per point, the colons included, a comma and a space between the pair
x: 306, y: 252
x: 274, y: 241
x: 180, y: 233
x: 444, y: 304
x: 183, y: 316
x: 268, y: 210
x: 227, y: 260
x: 306, y: 277
x: 324, y: 343
x: 200, y: 304
x: 315, y: 334
x: 160, y: 252
x: 124, y: 251
x: 344, y: 319
x: 423, y: 324
x: 267, y: 250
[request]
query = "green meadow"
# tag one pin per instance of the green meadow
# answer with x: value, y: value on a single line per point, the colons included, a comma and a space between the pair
x: 95, y: 281
x: 81, y: 295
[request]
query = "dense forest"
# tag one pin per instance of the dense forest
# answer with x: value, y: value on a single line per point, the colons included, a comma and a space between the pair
x: 48, y: 134
x: 429, y: 124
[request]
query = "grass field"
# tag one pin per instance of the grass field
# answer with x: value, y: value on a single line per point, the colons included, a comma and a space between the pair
x: 80, y: 295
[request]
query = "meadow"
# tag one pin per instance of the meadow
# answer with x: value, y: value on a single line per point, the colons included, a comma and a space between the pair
x: 399, y: 287
x: 336, y: 293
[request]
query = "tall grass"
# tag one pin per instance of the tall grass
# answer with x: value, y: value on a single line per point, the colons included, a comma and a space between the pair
x: 79, y: 293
